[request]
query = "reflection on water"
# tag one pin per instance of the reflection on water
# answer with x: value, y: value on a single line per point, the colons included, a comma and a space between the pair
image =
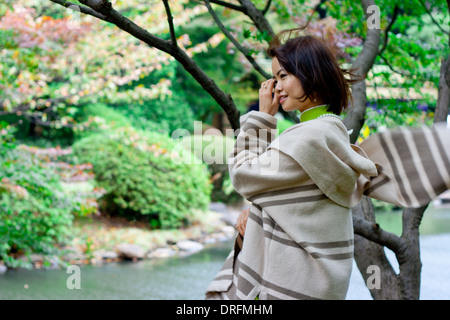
x: 175, y: 278
x: 187, y: 277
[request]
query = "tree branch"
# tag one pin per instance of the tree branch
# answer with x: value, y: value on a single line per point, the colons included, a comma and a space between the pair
x: 267, y: 7
x: 229, y: 5
x: 369, y: 253
x: 244, y: 51
x: 443, y: 101
x: 374, y: 233
x: 257, y: 17
x: 409, y: 259
x: 386, y: 32
x: 432, y: 18
x: 103, y: 8
x: 392, y: 68
x: 363, y: 63
x: 83, y: 9
x: 170, y: 21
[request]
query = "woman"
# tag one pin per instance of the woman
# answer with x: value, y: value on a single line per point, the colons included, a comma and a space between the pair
x: 298, y: 233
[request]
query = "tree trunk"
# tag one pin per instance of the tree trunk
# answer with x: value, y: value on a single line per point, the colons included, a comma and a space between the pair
x: 409, y: 260
x: 443, y: 102
x: 393, y: 286
x: 368, y: 253
x: 257, y: 17
x: 364, y: 62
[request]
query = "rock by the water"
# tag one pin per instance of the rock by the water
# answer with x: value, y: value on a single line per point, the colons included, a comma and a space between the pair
x: 107, y: 254
x: 189, y: 246
x: 161, y: 253
x: 130, y: 251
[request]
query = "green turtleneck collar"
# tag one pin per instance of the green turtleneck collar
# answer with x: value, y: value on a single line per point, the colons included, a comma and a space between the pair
x: 314, y: 113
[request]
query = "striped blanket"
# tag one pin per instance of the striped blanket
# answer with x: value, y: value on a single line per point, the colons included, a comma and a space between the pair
x: 299, y: 236
x: 413, y: 165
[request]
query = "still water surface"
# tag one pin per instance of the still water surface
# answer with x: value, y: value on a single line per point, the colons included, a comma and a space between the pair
x: 182, y: 278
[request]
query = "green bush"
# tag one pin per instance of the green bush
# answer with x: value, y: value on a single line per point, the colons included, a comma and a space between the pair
x: 160, y: 115
x: 98, y: 117
x: 141, y: 179
x: 35, y: 215
x: 214, y: 150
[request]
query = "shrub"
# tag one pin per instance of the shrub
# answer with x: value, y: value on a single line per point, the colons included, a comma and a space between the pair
x: 214, y: 150
x: 159, y: 115
x: 98, y: 117
x: 140, y: 178
x: 35, y: 215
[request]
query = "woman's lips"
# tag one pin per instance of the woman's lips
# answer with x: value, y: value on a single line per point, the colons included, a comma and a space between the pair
x: 282, y: 99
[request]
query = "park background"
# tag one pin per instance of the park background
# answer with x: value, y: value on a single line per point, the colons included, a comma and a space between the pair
x: 90, y: 105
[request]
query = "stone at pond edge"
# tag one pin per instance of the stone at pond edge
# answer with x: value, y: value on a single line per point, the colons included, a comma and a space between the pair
x: 161, y: 253
x: 105, y: 254
x: 189, y: 246
x: 3, y: 268
x: 130, y: 251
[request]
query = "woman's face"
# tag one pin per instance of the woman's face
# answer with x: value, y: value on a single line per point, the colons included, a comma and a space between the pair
x: 289, y: 89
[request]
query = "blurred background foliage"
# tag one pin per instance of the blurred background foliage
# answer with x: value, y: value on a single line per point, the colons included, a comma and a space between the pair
x: 87, y: 112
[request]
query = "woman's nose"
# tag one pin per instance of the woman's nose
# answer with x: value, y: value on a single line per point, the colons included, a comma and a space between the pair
x: 278, y: 87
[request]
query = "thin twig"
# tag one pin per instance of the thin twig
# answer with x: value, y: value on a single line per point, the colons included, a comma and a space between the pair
x: 229, y: 5
x: 170, y: 21
x: 386, y: 32
x: 392, y: 68
x: 82, y: 9
x: 235, y: 42
x: 432, y: 18
x: 264, y: 11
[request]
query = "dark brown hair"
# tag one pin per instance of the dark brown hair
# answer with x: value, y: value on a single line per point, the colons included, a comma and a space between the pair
x: 312, y: 62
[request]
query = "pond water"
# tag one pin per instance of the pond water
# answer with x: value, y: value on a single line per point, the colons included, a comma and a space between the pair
x: 181, y: 278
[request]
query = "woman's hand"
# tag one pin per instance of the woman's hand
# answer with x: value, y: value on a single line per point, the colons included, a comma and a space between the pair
x: 268, y: 100
x: 241, y: 222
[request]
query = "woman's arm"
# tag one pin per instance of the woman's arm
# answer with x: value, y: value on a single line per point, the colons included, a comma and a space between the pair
x: 255, y: 168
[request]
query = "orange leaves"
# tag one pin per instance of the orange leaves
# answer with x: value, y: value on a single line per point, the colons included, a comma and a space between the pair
x: 32, y: 31
x: 327, y: 29
x: 9, y: 187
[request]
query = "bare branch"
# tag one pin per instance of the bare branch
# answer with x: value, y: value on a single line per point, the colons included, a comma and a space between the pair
x: 229, y: 5
x: 257, y: 17
x: 373, y: 232
x: 224, y: 100
x: 244, y: 51
x: 392, y: 68
x: 83, y: 9
x: 266, y: 8
x: 432, y: 18
x: 363, y: 63
x: 170, y: 21
x: 386, y: 32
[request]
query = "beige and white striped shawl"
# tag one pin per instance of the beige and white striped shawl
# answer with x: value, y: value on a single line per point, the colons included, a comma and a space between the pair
x: 299, y: 235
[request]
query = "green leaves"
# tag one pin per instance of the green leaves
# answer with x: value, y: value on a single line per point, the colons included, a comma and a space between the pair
x: 35, y: 215
x: 141, y: 179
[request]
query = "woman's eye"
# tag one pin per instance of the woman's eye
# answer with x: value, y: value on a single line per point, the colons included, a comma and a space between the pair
x: 282, y: 76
